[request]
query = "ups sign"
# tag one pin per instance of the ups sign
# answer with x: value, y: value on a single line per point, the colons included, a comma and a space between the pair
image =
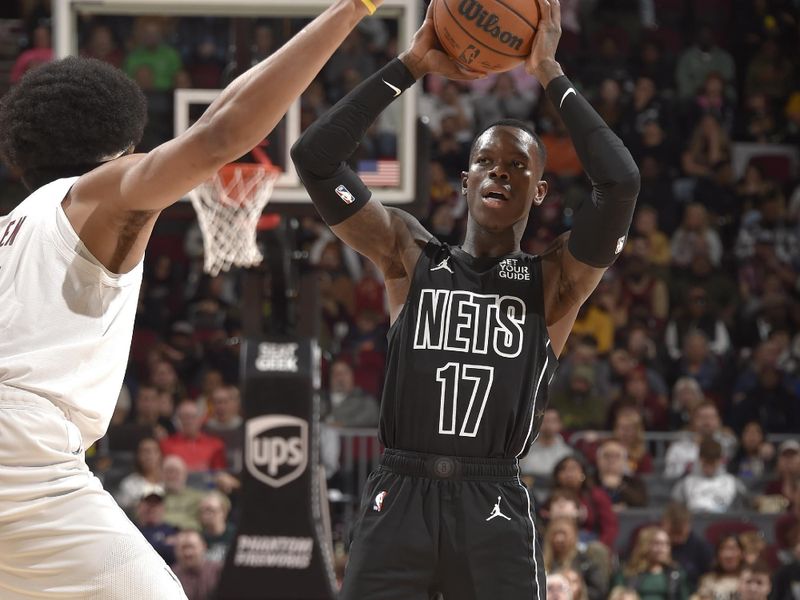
x: 276, y: 448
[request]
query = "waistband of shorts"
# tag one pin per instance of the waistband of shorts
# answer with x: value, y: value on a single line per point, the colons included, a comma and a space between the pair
x: 435, y: 466
x: 17, y: 398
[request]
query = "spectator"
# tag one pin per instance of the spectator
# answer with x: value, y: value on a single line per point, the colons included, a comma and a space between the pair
x: 595, y: 321
x: 754, y: 546
x: 152, y: 52
x: 562, y: 551
x: 217, y: 531
x: 696, y: 314
x: 694, y: 232
x: 40, y: 52
x: 711, y: 100
x: 686, y: 396
x: 645, y: 223
x: 651, y: 571
x: 547, y: 450
x: 769, y: 225
x: 770, y: 72
x: 150, y: 519
x: 148, y: 412
x: 788, y: 524
x: 200, y: 452
x: 147, y: 474
x: 682, y: 454
x: 576, y: 583
x: 639, y: 394
x: 226, y: 423
x: 102, y: 46
x: 600, y: 519
x: 558, y: 587
x: 180, y: 502
x: 164, y: 378
x: 198, y: 575
x: 787, y: 578
x: 629, y: 431
x: 708, y: 145
x: 701, y: 59
x: 690, y: 550
x: 709, y: 488
x: 580, y: 405
x: 754, y: 582
x: 625, y: 490
x: 623, y: 593
x: 754, y: 455
x: 787, y: 469
x: 504, y: 101
x: 608, y: 103
x: 719, y: 285
x: 348, y: 405
x: 722, y: 581
x: 644, y: 297
x: 699, y: 362
x: 452, y: 102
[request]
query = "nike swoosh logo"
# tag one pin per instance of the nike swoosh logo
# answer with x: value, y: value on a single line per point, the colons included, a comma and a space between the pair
x: 397, y: 91
x: 564, y: 97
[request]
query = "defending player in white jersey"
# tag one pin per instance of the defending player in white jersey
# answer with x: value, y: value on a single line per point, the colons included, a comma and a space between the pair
x: 70, y: 270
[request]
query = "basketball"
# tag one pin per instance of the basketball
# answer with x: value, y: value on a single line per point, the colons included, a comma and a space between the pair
x: 486, y: 35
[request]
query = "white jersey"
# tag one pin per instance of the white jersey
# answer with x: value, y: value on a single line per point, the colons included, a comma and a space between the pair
x: 65, y: 320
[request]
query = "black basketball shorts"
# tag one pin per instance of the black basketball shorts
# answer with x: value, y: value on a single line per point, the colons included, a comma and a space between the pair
x: 459, y: 527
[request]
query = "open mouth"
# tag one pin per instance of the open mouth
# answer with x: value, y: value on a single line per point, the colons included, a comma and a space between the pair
x: 496, y: 196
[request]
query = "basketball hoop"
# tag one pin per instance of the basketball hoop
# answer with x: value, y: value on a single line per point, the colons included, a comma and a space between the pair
x: 229, y: 207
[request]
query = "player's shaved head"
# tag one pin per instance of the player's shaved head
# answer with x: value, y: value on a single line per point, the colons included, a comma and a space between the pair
x: 67, y: 117
x: 514, y: 124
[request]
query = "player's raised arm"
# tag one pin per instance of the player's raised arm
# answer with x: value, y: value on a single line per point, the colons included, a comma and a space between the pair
x: 321, y: 154
x: 574, y: 268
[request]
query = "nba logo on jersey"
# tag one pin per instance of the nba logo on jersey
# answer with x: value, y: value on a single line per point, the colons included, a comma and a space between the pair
x: 344, y: 194
x: 378, y: 506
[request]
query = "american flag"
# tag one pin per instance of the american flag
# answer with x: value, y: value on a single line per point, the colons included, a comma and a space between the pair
x: 379, y: 172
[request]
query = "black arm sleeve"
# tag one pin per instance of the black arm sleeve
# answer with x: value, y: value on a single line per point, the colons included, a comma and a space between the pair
x: 320, y: 155
x: 601, y: 226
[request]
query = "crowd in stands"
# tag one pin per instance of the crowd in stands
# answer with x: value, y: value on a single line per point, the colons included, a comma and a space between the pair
x: 694, y: 332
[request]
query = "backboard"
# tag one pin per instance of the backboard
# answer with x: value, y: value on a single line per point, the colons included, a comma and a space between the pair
x: 390, y: 167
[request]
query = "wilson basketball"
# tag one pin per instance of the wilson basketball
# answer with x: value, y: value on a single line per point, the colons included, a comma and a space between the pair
x: 486, y: 35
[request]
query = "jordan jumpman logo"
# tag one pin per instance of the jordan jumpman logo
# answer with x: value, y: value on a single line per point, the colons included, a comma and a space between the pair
x: 443, y: 265
x: 496, y: 511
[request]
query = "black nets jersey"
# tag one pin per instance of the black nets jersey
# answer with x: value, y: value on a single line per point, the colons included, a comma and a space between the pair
x: 469, y: 358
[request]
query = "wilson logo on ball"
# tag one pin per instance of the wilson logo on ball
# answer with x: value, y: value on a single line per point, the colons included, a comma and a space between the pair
x: 473, y: 11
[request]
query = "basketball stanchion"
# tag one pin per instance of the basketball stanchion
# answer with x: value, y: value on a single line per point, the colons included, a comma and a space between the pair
x: 229, y: 207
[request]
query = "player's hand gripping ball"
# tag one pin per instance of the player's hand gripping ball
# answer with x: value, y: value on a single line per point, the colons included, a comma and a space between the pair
x: 487, y: 35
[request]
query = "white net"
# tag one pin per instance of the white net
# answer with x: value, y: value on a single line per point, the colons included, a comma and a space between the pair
x: 228, y: 208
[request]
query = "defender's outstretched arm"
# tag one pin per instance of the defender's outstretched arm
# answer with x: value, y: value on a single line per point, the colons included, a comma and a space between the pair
x: 127, y: 193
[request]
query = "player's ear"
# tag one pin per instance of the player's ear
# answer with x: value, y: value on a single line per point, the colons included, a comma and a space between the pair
x: 464, y: 183
x: 541, y: 192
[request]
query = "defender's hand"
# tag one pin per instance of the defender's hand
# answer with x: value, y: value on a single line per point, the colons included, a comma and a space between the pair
x: 425, y: 55
x: 542, y: 61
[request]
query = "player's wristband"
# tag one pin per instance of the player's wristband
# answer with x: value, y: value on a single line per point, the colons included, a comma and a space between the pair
x: 370, y: 6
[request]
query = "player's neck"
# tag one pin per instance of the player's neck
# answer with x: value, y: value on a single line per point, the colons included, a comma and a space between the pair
x: 481, y: 242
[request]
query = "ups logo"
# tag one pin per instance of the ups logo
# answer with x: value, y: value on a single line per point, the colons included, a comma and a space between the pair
x: 276, y: 448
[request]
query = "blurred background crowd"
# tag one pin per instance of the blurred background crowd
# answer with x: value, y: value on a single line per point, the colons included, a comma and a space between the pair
x: 668, y: 464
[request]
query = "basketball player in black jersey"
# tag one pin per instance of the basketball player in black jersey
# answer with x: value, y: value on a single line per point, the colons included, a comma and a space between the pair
x: 476, y: 332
